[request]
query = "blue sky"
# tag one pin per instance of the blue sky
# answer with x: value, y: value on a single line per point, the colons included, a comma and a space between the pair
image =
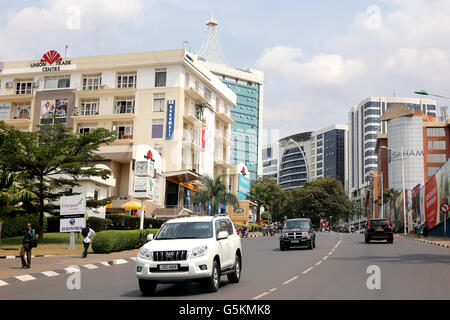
x: 320, y: 58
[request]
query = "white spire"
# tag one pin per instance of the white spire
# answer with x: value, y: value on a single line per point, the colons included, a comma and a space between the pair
x: 211, y: 50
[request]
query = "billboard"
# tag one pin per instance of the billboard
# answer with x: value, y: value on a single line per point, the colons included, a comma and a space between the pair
x: 170, y: 121
x: 72, y: 212
x: 5, y: 111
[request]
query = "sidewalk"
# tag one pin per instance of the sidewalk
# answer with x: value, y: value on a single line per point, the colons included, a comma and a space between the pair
x: 57, y: 265
x: 438, y: 241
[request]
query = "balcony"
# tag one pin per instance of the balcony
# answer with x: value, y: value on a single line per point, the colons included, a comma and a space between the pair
x: 190, y: 142
x: 224, y: 115
x: 197, y: 97
x: 223, y: 163
x: 105, y: 90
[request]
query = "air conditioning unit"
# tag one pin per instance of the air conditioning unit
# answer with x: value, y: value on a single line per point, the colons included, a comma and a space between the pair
x: 8, y: 85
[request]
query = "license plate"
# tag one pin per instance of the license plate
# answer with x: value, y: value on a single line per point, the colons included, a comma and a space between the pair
x: 380, y: 229
x: 167, y: 267
x: 295, y: 241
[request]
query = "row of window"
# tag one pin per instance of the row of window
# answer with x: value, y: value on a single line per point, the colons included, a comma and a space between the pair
x: 91, y: 82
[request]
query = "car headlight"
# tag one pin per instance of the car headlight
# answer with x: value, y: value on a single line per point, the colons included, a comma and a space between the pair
x: 145, y: 254
x: 284, y: 235
x: 199, y: 251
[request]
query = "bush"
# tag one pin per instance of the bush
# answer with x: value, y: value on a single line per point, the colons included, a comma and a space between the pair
x: 126, y: 222
x: 119, y: 240
x: 99, y: 224
x: 15, y: 225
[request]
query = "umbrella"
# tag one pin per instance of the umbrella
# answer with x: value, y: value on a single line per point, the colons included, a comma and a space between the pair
x: 132, y: 205
x: 109, y: 205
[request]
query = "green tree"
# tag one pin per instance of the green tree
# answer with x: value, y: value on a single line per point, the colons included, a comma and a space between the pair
x: 266, y: 192
x: 49, y: 163
x: 214, y: 191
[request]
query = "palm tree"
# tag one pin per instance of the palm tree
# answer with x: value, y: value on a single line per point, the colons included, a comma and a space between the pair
x: 214, y: 191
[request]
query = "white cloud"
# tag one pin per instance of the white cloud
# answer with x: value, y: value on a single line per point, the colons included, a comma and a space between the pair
x: 33, y: 29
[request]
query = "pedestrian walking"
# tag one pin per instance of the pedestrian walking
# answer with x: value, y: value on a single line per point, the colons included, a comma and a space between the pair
x: 415, y: 226
x: 29, y: 241
x: 87, y: 234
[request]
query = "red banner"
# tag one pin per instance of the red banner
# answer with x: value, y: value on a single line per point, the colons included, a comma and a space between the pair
x: 203, y: 138
x: 431, y: 202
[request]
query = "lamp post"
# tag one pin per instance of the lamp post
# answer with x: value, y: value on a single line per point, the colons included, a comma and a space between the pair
x: 426, y: 93
x: 304, y: 157
x: 403, y: 184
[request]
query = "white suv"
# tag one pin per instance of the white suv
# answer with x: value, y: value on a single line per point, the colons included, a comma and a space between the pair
x: 190, y: 249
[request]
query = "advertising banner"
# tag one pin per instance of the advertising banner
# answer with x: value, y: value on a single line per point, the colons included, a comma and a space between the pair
x: 143, y: 187
x: 5, y: 111
x: 431, y: 202
x: 415, y: 205
x: 47, y: 108
x: 170, y: 121
x: 22, y: 112
x: 243, y: 187
x: 73, y: 213
x: 156, y: 188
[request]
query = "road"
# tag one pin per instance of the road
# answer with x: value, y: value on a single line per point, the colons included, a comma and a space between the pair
x: 335, y: 269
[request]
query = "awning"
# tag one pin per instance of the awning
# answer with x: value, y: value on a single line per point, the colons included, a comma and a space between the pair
x: 132, y: 205
x: 181, y: 176
x: 190, y: 186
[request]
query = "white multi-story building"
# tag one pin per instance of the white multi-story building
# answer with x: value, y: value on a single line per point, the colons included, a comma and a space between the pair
x: 364, y: 125
x: 164, y: 100
x: 270, y: 160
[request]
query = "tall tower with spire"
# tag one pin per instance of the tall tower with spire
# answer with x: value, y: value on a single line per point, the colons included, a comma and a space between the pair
x: 211, y: 51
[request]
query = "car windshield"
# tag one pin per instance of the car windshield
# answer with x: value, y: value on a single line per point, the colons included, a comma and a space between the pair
x: 185, y: 230
x: 298, y: 224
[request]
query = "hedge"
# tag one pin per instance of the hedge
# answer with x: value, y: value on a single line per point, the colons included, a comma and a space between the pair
x: 126, y: 222
x: 15, y: 225
x: 99, y: 224
x: 119, y: 240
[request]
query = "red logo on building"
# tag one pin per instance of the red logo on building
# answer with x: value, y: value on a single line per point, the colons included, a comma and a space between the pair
x: 51, y: 56
x: 243, y: 171
x: 149, y: 155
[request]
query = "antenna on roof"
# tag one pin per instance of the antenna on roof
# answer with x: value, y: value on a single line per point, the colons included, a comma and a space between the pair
x: 211, y: 50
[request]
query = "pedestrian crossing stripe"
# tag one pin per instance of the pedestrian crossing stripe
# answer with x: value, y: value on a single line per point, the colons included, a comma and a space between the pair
x: 3, y: 283
x: 25, y: 278
x: 49, y: 273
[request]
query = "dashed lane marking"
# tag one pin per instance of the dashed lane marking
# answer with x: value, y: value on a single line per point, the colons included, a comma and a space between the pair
x: 325, y: 258
x: 307, y: 270
x: 261, y: 295
x: 318, y: 262
x: 290, y: 280
x: 273, y: 289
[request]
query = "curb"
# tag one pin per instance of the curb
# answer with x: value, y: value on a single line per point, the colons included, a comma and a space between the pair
x: 36, y: 256
x: 65, y: 271
x: 426, y: 241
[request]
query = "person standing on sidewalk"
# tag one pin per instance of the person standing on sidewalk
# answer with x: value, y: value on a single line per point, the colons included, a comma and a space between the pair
x: 27, y: 245
x: 87, y: 233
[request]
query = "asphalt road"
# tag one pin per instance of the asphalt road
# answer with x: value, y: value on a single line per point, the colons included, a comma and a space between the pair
x: 335, y: 269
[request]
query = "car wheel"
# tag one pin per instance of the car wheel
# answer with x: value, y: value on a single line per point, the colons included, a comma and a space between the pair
x: 310, y: 245
x: 314, y: 242
x: 212, y: 283
x: 236, y: 275
x: 282, y: 248
x: 147, y: 287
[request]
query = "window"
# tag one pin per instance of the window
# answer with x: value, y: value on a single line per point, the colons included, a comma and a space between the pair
x: 86, y: 128
x: 22, y: 110
x: 58, y: 81
x: 158, y: 102
x: 126, y: 80
x: 435, y: 132
x: 208, y: 95
x: 432, y: 170
x: 437, y: 157
x: 371, y: 128
x: 160, y: 77
x: 157, y: 128
x: 24, y: 87
x: 125, y: 105
x: 89, y: 107
x: 124, y: 130
x: 437, y: 145
x: 92, y: 82
x: 96, y: 193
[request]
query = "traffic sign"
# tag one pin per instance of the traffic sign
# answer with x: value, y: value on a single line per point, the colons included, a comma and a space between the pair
x: 445, y: 208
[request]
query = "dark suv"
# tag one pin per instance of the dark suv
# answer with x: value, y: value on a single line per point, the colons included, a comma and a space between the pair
x: 379, y: 229
x: 297, y: 232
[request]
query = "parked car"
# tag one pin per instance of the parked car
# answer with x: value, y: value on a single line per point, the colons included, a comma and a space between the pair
x: 190, y: 249
x: 378, y: 229
x: 297, y: 232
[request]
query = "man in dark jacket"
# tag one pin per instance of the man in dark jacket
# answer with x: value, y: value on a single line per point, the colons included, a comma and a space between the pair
x: 30, y: 234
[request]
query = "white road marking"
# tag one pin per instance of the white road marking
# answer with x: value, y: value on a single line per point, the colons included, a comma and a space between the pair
x: 120, y: 261
x: 133, y: 258
x: 307, y: 270
x: 49, y: 273
x: 290, y: 280
x: 25, y: 278
x: 10, y: 257
x: 261, y: 295
x: 3, y: 283
x: 325, y: 258
x: 273, y: 289
x: 105, y: 263
x: 90, y: 266
x: 330, y: 253
x: 72, y: 270
x: 318, y: 263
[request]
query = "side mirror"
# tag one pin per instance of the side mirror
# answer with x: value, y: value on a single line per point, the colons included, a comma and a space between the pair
x: 222, y: 235
x: 150, y: 237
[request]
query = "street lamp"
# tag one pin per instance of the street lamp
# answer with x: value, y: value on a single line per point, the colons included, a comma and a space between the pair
x: 403, y: 184
x: 426, y: 93
x: 304, y: 157
x: 382, y: 189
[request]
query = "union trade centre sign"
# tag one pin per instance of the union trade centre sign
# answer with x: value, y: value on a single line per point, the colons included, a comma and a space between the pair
x: 51, y: 61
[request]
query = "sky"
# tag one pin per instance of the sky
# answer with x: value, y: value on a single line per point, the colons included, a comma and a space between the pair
x: 320, y: 58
